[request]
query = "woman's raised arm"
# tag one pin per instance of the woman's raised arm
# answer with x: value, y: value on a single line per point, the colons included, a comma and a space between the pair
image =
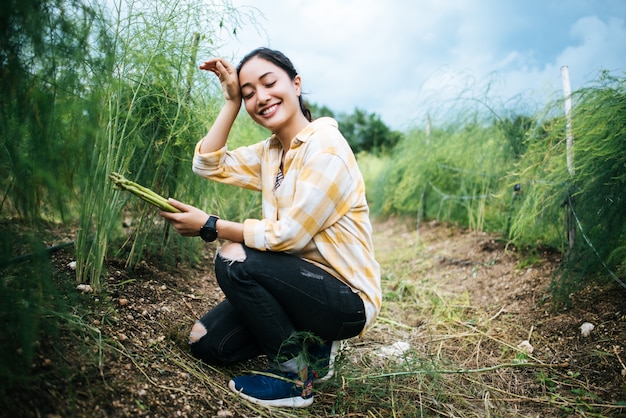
x: 218, y: 134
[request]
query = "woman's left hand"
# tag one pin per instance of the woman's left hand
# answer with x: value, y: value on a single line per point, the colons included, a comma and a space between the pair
x: 189, y: 221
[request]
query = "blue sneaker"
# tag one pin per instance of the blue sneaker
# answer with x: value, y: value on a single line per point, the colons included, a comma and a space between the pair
x: 322, y: 360
x: 274, y: 388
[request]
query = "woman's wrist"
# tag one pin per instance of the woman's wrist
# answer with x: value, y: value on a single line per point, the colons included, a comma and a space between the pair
x: 233, y: 104
x: 218, y: 134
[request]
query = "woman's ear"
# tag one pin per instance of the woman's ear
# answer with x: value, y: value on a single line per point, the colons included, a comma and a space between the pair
x: 297, y: 83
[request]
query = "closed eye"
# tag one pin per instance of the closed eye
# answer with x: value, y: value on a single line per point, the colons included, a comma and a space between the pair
x: 251, y: 94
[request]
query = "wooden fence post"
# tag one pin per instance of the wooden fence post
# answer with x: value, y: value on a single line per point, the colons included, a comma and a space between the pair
x: 569, y: 138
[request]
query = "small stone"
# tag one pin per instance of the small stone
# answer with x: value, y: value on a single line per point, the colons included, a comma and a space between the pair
x: 397, y: 349
x: 586, y: 328
x: 526, y: 347
x: 85, y: 288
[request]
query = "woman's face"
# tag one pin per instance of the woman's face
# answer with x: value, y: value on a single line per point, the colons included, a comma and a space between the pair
x: 269, y: 95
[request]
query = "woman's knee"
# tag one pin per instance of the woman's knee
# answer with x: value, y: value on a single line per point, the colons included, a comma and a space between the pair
x: 201, y: 345
x: 218, y: 346
x: 197, y: 331
x: 230, y: 266
x: 233, y: 252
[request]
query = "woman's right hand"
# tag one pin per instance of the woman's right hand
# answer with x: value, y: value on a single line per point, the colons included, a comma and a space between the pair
x: 227, y: 74
x: 188, y: 221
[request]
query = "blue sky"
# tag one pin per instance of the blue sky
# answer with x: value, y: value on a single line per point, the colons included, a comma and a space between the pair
x: 401, y: 59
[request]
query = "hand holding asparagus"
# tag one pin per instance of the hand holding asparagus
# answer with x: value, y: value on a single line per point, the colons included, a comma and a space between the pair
x: 142, y: 192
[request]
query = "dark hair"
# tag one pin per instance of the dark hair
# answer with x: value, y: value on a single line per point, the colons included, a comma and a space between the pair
x: 280, y: 60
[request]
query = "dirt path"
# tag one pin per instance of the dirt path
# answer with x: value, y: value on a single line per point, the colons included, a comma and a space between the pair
x: 506, y: 299
x: 454, y: 296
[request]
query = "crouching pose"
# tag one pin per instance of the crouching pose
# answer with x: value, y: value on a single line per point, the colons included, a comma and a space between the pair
x: 307, y: 267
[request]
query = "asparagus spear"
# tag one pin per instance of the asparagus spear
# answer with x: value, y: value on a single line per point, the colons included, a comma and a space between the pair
x: 142, y: 192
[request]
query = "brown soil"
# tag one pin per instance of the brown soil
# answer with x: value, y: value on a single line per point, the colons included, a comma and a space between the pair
x: 137, y: 362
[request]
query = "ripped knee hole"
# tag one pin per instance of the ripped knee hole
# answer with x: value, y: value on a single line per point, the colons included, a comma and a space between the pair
x: 232, y: 252
x: 197, y: 331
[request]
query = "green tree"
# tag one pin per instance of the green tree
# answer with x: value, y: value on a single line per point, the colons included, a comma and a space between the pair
x: 365, y: 132
x: 318, y: 111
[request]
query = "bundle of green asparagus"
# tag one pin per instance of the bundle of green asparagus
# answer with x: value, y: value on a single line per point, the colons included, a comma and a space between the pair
x: 142, y: 192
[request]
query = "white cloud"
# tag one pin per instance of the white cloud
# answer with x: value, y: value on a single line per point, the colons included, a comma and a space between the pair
x: 399, y: 57
x: 600, y: 46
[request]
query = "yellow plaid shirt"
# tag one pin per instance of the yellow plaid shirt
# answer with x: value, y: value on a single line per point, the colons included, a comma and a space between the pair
x: 319, y: 211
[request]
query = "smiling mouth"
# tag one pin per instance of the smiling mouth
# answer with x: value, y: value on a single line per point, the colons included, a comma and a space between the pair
x: 270, y: 110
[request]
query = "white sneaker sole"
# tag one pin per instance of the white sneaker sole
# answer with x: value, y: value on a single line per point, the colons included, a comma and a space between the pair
x: 295, y: 402
x: 334, y: 348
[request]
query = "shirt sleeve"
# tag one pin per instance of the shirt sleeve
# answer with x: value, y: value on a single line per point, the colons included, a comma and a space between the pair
x: 241, y: 167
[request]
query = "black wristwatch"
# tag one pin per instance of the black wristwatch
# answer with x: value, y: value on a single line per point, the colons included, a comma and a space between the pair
x: 209, y: 231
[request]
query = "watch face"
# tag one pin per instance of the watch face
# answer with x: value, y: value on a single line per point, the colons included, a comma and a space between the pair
x: 208, y: 232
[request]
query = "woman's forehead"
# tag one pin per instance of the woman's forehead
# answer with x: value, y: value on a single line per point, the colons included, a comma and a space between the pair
x: 256, y: 68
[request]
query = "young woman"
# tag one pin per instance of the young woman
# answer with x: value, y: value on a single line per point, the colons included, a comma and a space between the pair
x: 307, y: 267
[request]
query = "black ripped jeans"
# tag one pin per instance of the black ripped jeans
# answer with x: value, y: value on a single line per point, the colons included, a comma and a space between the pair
x: 270, y: 297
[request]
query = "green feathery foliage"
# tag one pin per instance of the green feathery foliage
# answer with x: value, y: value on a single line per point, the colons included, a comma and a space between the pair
x: 452, y: 174
x: 583, y: 213
x: 155, y: 109
x: 49, y: 72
